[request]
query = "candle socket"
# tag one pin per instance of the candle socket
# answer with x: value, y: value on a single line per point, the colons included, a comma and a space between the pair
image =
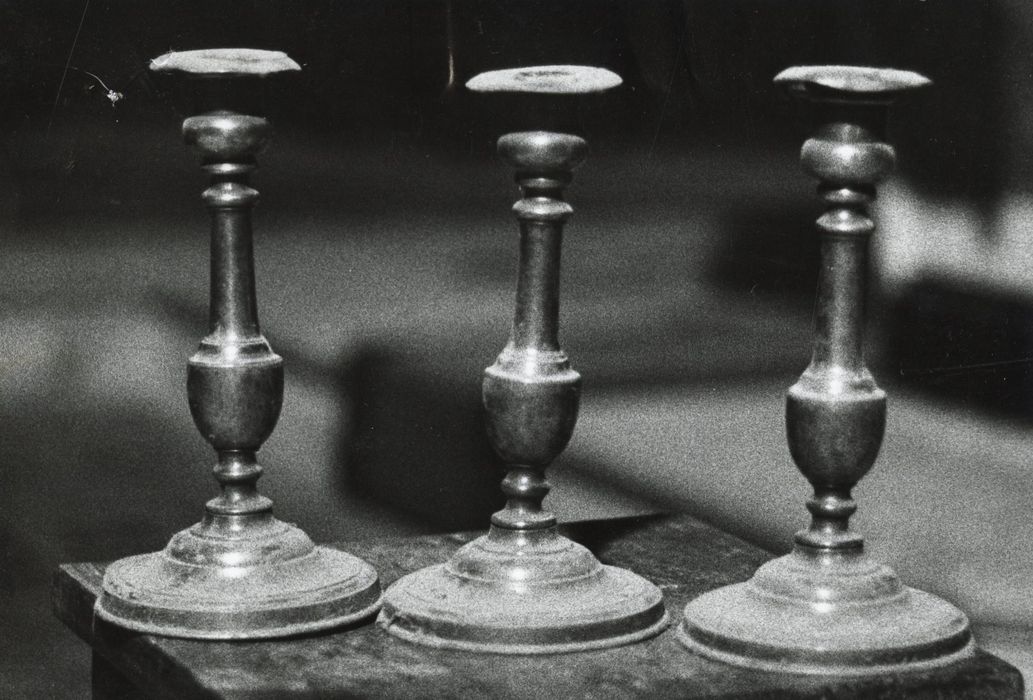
x: 240, y: 573
x: 827, y: 607
x: 523, y: 588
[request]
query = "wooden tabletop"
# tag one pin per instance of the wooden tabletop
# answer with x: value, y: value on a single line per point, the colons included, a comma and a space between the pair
x: 682, y: 555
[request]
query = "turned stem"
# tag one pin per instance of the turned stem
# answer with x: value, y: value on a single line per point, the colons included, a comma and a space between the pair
x: 835, y: 413
x: 531, y: 394
x: 233, y: 312
x: 536, y: 320
x: 235, y: 380
x: 837, y: 377
x: 839, y: 312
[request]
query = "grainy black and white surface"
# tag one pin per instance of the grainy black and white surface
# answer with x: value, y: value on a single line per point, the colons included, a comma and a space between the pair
x: 386, y: 273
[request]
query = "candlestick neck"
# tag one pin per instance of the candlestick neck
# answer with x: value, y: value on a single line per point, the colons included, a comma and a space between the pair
x: 542, y: 213
x: 228, y: 143
x: 845, y: 229
x: 233, y: 313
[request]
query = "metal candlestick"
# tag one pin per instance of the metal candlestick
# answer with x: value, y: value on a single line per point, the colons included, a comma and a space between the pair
x: 523, y: 588
x: 827, y: 607
x: 240, y: 573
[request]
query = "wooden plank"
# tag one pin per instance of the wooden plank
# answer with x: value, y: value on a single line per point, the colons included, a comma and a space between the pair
x: 680, y: 554
x: 74, y: 589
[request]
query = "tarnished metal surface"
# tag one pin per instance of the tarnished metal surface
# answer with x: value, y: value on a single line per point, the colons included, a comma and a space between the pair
x: 856, y: 81
x: 240, y: 573
x: 555, y: 80
x: 227, y: 62
x: 523, y: 588
x: 827, y: 607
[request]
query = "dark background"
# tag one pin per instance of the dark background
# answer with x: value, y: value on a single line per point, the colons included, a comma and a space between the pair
x: 692, y: 70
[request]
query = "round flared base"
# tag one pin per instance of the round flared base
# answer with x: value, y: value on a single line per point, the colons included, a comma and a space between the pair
x: 298, y: 588
x: 825, y: 613
x: 509, y: 595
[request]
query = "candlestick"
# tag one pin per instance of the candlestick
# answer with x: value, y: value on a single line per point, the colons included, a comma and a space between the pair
x: 524, y: 588
x: 827, y: 607
x: 240, y: 573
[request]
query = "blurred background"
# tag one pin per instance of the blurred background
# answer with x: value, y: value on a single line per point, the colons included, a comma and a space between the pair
x: 386, y: 255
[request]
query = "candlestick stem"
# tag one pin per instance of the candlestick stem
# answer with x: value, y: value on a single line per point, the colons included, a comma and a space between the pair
x: 828, y: 608
x: 523, y: 588
x: 240, y: 573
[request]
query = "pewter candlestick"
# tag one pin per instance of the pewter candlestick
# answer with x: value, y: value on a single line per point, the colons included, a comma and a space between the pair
x: 827, y: 607
x: 523, y: 588
x: 240, y: 573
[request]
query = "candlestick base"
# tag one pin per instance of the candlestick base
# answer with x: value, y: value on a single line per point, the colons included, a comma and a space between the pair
x: 523, y: 592
x: 215, y: 581
x: 824, y: 612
